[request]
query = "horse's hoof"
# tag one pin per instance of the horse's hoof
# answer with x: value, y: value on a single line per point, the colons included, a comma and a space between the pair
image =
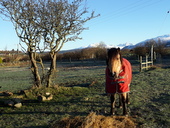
x: 112, y: 113
x: 125, y: 114
x: 120, y: 106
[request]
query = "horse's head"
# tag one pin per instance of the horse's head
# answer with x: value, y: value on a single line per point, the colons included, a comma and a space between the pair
x: 114, y: 61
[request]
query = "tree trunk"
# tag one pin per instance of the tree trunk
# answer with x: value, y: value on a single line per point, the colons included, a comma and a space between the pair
x: 34, y: 69
x: 52, y: 69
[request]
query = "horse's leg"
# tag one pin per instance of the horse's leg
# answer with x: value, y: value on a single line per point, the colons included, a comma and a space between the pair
x: 112, y: 99
x: 124, y: 96
x: 120, y: 101
x: 127, y: 98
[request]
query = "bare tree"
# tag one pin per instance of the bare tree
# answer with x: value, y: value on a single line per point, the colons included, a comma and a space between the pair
x: 149, y: 44
x: 23, y: 16
x: 62, y: 22
x: 46, y: 24
x: 140, y: 50
x: 160, y: 47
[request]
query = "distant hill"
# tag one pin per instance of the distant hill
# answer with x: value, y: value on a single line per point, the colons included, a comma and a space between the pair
x: 71, y: 50
x: 164, y: 39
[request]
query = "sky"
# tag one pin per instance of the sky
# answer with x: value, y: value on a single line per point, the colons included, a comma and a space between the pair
x: 120, y: 21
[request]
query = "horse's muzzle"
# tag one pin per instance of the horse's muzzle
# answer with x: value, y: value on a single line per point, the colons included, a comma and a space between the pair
x: 114, y: 75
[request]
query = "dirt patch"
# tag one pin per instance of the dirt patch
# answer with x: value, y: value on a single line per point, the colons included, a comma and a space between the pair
x: 96, y: 121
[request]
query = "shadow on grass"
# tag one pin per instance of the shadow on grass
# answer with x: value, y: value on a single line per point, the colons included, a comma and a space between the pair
x: 59, y: 107
x: 79, y: 85
x: 163, y: 99
x: 45, y: 113
x: 46, y: 126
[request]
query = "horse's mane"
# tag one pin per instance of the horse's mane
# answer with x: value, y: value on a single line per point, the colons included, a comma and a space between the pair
x: 113, y: 52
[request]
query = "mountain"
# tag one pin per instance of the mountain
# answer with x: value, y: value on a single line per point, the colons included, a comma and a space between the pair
x: 108, y: 46
x: 121, y: 46
x: 164, y: 39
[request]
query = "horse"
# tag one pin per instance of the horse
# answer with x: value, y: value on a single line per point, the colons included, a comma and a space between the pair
x: 118, y: 78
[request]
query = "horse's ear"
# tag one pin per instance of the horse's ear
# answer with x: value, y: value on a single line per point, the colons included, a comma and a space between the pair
x: 107, y: 61
x: 118, y: 49
x: 107, y: 57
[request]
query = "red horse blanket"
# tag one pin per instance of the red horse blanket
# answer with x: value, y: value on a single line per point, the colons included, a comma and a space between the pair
x: 120, y: 85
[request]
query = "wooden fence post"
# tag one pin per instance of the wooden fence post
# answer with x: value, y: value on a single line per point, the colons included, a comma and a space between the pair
x: 140, y: 64
x: 145, y: 65
x: 146, y: 62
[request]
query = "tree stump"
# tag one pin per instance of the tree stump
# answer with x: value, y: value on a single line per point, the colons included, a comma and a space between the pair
x: 50, y: 97
x: 41, y: 98
x: 18, y: 105
x: 13, y: 103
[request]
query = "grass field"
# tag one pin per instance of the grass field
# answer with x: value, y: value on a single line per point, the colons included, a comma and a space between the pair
x: 81, y: 91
